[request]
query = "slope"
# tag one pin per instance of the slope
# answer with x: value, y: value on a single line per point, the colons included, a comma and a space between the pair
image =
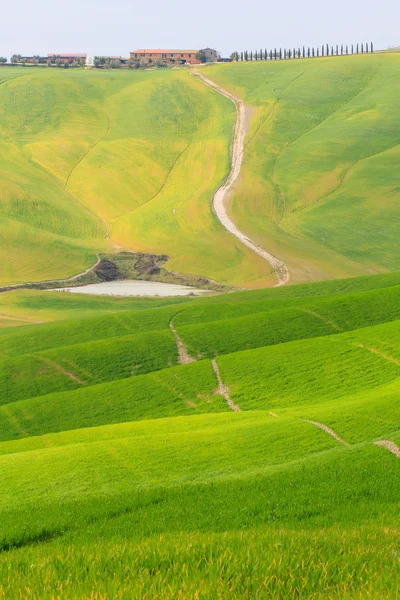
x: 318, y: 183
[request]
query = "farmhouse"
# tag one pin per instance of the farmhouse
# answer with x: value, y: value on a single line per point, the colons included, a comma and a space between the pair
x: 68, y: 58
x: 180, y: 57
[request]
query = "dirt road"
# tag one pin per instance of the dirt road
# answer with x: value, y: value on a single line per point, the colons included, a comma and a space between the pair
x: 220, y: 196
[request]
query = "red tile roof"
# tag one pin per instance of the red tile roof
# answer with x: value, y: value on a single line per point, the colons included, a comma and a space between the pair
x: 162, y: 51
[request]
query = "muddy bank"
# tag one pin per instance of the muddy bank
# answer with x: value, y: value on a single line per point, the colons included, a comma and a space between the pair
x: 126, y: 266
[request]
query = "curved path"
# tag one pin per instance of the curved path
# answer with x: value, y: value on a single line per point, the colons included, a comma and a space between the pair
x: 280, y: 269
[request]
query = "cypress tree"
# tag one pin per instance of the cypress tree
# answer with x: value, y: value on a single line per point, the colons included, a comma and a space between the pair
x: 323, y: 49
x: 251, y: 55
x: 289, y: 54
x: 318, y: 52
x: 313, y: 53
x: 362, y: 48
x: 298, y: 53
x: 256, y: 55
x: 332, y: 53
x: 337, y: 50
x: 308, y: 52
x: 372, y: 47
x: 241, y: 56
x: 304, y: 52
x: 366, y: 47
x: 347, y: 50
x: 246, y: 56
x: 275, y: 54
x: 270, y: 55
x: 341, y: 50
x: 352, y: 48
x: 327, y: 50
x: 357, y: 49
x: 280, y: 53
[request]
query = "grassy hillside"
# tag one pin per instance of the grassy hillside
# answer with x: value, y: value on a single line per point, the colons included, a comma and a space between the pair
x: 129, y: 156
x: 319, y: 187
x: 149, y: 470
x: 244, y: 445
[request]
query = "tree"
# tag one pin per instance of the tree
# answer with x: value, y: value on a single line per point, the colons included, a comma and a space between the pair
x: 275, y: 54
x: 280, y: 53
x: 332, y: 52
x: 358, y: 49
x: 246, y: 55
x: 201, y: 56
x: 289, y: 54
x: 327, y: 50
x: 270, y: 55
x: 352, y: 48
x: 304, y: 52
x: 366, y: 47
x: 313, y: 53
x: 3, y: 60
x: 318, y: 51
x: 241, y: 56
x: 251, y: 55
x: 341, y: 50
x: 322, y: 50
x: 362, y: 48
x: 308, y: 52
x: 256, y: 55
x: 372, y: 47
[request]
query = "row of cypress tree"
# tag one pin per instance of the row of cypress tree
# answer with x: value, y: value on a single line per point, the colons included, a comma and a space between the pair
x: 309, y: 52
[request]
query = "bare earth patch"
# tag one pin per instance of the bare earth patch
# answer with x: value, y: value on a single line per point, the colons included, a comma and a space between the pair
x: 223, y: 390
x: 183, y: 354
x: 391, y: 446
x: 327, y: 430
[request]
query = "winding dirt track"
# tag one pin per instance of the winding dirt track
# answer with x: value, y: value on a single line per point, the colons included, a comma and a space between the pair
x: 280, y: 269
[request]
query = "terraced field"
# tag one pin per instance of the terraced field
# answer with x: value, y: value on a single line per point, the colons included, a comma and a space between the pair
x: 319, y: 187
x: 265, y: 467
x: 108, y: 160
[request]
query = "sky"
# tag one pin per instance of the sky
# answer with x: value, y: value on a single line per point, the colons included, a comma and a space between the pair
x: 104, y: 27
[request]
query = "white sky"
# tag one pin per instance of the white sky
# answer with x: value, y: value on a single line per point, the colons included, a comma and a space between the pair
x: 105, y: 27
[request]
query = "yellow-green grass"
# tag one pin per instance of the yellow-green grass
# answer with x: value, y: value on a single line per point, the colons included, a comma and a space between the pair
x: 72, y: 367
x: 319, y: 185
x: 185, y: 390
x: 25, y: 307
x: 348, y: 303
x: 306, y: 374
x: 224, y: 499
x: 75, y: 354
x: 142, y: 151
x: 151, y: 485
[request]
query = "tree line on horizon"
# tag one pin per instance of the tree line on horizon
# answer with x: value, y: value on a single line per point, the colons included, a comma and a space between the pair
x: 304, y: 52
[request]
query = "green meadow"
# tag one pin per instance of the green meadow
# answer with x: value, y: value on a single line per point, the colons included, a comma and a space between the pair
x: 126, y: 474
x: 319, y: 187
x: 238, y: 445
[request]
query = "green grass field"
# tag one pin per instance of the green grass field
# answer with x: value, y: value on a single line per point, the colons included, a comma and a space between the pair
x: 134, y: 483
x: 319, y: 187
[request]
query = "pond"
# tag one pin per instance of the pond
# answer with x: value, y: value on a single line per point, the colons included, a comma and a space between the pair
x: 134, y: 288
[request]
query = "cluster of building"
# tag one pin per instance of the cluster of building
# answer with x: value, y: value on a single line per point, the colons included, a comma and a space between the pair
x: 156, y: 56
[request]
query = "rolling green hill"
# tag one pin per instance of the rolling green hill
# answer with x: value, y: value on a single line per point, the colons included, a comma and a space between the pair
x: 265, y: 467
x: 114, y: 159
x: 319, y: 187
